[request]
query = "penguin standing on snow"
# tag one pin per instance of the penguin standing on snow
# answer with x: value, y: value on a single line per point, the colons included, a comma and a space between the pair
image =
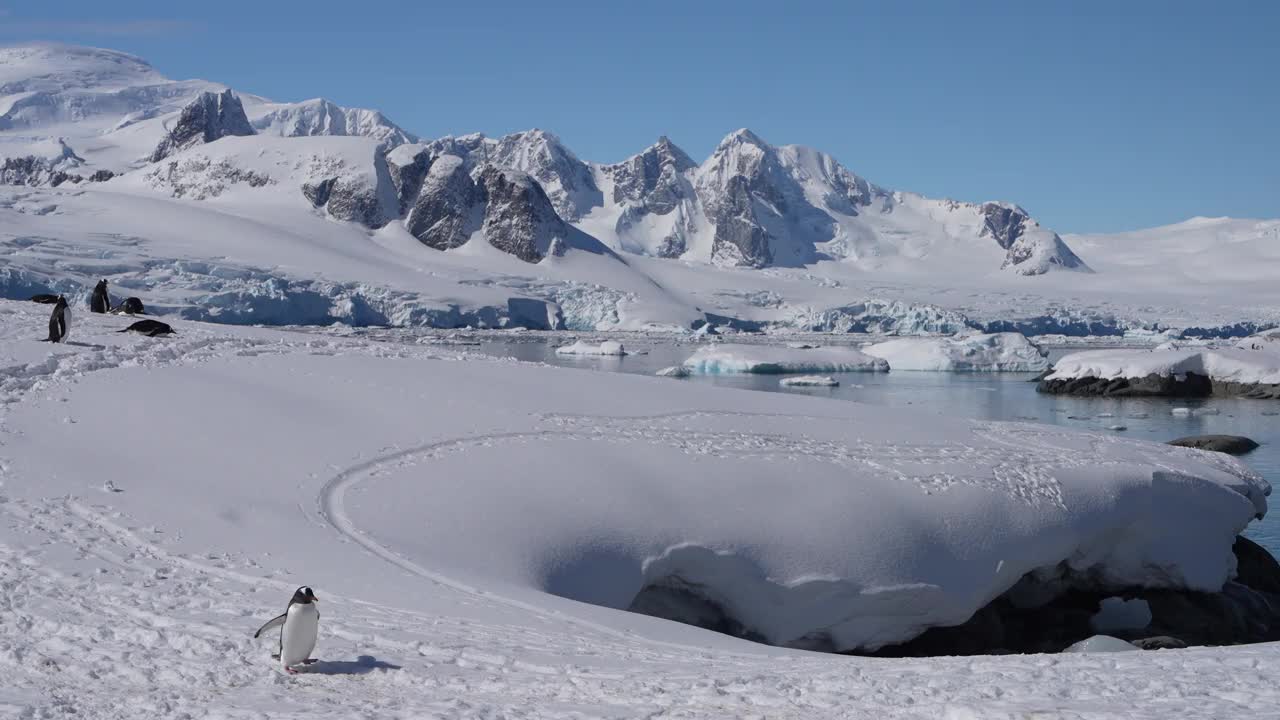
x: 59, y: 321
x: 299, y: 626
x: 100, y: 301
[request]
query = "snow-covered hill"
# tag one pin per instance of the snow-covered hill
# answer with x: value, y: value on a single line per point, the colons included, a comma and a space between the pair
x: 518, y: 229
x: 161, y: 497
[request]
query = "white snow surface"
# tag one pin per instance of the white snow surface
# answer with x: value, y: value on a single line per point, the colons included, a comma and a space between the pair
x: 724, y: 358
x: 582, y: 347
x: 1261, y: 366
x: 246, y: 462
x: 992, y: 352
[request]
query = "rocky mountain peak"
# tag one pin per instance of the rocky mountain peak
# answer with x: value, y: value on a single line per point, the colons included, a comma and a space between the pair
x: 209, y: 117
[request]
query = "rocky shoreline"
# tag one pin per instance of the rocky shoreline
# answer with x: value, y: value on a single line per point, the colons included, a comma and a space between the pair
x: 1157, y: 385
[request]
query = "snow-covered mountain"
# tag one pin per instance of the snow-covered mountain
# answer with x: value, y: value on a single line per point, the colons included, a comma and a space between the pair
x: 113, y: 109
x: 322, y: 117
x: 466, y: 229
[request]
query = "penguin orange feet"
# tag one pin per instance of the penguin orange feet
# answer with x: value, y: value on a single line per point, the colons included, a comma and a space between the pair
x: 290, y: 670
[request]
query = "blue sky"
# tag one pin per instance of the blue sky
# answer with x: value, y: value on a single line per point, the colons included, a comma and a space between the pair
x: 1095, y: 116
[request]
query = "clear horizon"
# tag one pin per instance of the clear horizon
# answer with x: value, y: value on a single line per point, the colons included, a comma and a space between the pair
x: 1094, y: 119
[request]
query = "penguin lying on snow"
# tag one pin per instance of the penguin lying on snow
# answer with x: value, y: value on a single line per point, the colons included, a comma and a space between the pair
x: 150, y: 328
x: 59, y: 321
x: 299, y: 626
x: 130, y: 306
x: 45, y: 298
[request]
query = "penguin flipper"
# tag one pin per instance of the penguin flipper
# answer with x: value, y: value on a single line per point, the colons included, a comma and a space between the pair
x: 273, y: 622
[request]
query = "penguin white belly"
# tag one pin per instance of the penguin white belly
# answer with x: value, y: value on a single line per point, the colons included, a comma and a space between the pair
x: 66, y: 324
x: 298, y: 636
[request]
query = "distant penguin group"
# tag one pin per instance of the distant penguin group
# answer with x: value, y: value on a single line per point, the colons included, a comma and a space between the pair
x: 99, y: 302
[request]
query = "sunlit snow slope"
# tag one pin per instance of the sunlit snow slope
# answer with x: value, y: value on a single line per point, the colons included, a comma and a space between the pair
x: 161, y: 497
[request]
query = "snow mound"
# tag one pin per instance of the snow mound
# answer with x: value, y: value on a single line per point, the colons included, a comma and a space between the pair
x: 730, y: 358
x: 1101, y: 644
x: 1235, y: 365
x: 809, y: 381
x: 608, y: 347
x: 993, y: 352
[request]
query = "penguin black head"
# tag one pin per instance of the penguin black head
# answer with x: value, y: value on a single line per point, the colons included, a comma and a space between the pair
x: 303, y: 595
x: 62, y: 301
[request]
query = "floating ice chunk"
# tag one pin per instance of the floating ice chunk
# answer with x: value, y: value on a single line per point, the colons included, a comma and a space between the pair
x: 1101, y: 643
x: 809, y: 381
x: 729, y: 358
x: 992, y: 352
x: 1118, y: 428
x: 1180, y: 411
x: 608, y: 347
x: 1120, y: 614
x: 675, y: 371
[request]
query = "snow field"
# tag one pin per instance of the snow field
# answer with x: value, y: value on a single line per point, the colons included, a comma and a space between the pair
x: 251, y: 461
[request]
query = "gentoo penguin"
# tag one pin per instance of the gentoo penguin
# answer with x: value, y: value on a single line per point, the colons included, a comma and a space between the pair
x: 59, y: 321
x: 298, y: 628
x: 130, y: 306
x: 150, y: 328
x: 100, y: 302
x: 45, y: 298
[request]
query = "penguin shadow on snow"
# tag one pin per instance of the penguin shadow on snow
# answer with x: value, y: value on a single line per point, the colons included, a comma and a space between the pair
x: 361, y: 665
x: 91, y: 346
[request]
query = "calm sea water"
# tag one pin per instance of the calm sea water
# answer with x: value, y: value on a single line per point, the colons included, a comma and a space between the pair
x: 987, y: 396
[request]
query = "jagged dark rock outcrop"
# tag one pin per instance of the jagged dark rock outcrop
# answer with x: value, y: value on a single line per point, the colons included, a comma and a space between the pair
x: 1230, y: 444
x: 655, y: 182
x: 211, y: 116
x: 1009, y: 225
x: 449, y: 206
x: 33, y: 171
x: 654, y: 179
x: 519, y: 218
x: 360, y: 197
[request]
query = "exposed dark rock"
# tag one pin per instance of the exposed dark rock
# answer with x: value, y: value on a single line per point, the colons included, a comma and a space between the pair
x: 354, y: 198
x: 101, y: 176
x: 653, y: 180
x: 318, y: 192
x: 1003, y: 222
x: 1009, y: 226
x: 449, y: 207
x: 1230, y: 444
x: 1255, y: 567
x: 1189, y: 385
x: 1159, y: 642
x: 408, y: 177
x: 210, y: 117
x: 740, y: 239
x: 519, y: 218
